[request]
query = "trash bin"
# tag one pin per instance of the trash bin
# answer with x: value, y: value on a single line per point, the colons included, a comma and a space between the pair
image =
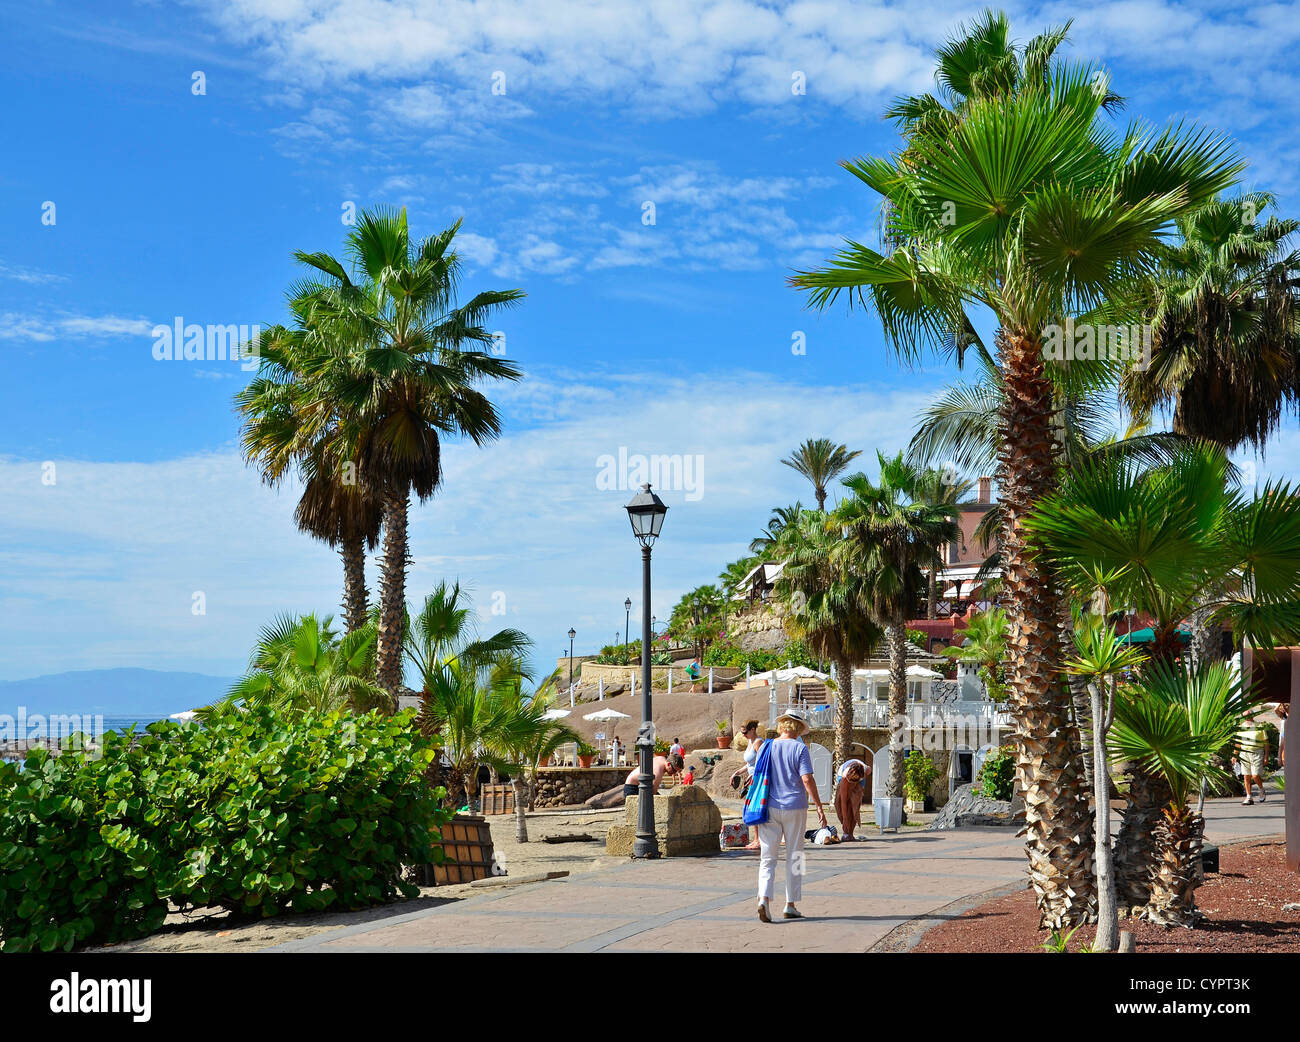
x: 889, y: 812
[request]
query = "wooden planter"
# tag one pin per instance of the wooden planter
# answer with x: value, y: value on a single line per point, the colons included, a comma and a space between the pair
x: 497, y: 799
x: 467, y: 842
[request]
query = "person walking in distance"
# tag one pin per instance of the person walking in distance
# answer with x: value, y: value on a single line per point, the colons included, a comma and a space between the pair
x: 791, y: 786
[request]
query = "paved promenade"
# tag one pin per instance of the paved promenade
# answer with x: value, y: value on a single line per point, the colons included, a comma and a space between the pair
x: 854, y: 895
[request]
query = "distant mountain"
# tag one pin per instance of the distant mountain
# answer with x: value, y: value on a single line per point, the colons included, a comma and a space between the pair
x: 145, y: 693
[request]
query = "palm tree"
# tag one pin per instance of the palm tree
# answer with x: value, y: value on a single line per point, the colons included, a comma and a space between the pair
x: 821, y: 461
x: 1173, y: 722
x: 274, y: 404
x: 781, y: 517
x: 938, y: 488
x: 1224, y: 310
x: 301, y: 663
x: 1031, y: 207
x: 825, y: 609
x: 399, y: 375
x: 1224, y: 307
x: 526, y: 738
x: 1100, y: 659
x: 889, y: 536
x: 984, y: 645
x: 1161, y: 541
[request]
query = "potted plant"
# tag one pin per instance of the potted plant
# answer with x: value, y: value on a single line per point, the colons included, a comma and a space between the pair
x: 919, y: 774
x: 724, y: 734
x: 661, y: 747
x: 586, y: 753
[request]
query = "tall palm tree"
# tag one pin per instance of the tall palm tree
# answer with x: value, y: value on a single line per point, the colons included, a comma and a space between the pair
x: 1224, y: 310
x: 826, y: 609
x: 403, y: 371
x: 1173, y: 722
x: 275, y: 403
x: 1224, y: 306
x: 821, y: 461
x: 939, y: 488
x: 890, y: 535
x: 300, y: 662
x: 1030, y: 206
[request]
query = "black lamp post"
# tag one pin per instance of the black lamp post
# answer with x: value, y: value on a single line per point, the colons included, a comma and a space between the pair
x: 646, y: 512
x: 627, y: 619
x: 572, y: 633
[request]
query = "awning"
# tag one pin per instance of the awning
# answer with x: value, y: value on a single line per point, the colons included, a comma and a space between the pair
x: 1147, y: 635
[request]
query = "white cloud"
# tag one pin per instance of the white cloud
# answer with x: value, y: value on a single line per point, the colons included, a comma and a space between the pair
x: 28, y: 275
x: 100, y: 568
x: 37, y: 328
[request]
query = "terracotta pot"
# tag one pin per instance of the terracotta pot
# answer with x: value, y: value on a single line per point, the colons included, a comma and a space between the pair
x: 724, y: 741
x: 585, y: 761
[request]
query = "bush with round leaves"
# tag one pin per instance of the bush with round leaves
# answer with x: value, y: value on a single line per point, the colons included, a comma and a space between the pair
x: 257, y: 811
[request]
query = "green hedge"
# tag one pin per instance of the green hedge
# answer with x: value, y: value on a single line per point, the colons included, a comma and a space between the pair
x: 256, y: 811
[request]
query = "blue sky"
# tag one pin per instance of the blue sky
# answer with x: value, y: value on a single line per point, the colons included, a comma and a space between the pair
x: 666, y: 338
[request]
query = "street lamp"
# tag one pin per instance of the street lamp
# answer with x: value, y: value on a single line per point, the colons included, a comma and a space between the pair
x: 646, y: 512
x: 572, y: 633
x: 627, y: 618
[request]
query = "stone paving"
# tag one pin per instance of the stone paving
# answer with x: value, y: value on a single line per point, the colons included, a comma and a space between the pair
x: 854, y: 895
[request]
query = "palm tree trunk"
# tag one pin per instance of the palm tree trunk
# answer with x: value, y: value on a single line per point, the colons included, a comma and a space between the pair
x: 355, y: 594
x: 392, y: 594
x: 1178, y: 842
x: 931, y: 589
x: 1057, y: 817
x: 1107, y: 938
x: 843, y: 711
x: 521, y: 807
x: 1206, y: 641
x: 896, y: 637
x: 1135, y: 844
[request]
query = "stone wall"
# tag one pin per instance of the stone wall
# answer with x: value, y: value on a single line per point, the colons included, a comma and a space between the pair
x: 567, y: 786
x: 593, y: 672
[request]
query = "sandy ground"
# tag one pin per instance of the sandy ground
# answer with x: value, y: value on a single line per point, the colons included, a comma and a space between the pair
x: 1242, y: 905
x: 215, y: 931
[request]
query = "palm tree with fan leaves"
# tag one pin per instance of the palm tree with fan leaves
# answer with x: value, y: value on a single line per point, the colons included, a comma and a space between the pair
x: 402, y: 370
x: 890, y: 534
x: 1033, y: 207
x: 275, y: 406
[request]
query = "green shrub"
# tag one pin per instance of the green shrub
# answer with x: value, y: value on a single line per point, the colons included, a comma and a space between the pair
x: 256, y: 811
x: 919, y: 774
x: 997, y: 775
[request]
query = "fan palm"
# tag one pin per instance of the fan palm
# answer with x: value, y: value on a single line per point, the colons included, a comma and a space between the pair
x: 524, y: 739
x: 302, y: 663
x: 1032, y: 207
x: 889, y: 536
x: 274, y: 405
x: 821, y: 461
x: 403, y: 370
x: 468, y: 684
x: 825, y: 609
x: 1173, y: 722
x: 1224, y: 307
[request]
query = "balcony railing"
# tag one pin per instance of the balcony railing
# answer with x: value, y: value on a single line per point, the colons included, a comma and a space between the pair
x: 876, y: 714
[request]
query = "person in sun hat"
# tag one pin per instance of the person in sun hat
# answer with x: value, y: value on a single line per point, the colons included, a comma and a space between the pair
x: 790, y: 786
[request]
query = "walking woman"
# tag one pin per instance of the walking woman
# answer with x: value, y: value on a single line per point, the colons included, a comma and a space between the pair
x: 790, y: 786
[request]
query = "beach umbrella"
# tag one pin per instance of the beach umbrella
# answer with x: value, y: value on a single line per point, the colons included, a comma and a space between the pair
x: 607, y: 714
x: 556, y: 714
x: 184, y: 717
x: 921, y: 673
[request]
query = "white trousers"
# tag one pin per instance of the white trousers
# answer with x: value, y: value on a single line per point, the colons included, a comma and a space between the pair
x: 790, y: 824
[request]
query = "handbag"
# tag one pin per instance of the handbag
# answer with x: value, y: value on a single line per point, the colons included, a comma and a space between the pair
x: 755, y: 812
